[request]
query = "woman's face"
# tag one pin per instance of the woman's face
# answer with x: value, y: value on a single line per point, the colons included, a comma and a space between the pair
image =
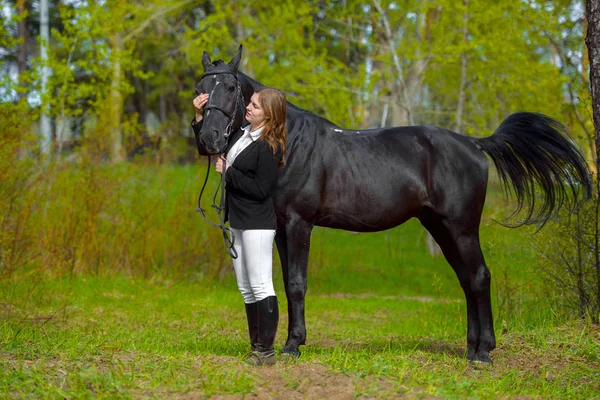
x: 254, y: 111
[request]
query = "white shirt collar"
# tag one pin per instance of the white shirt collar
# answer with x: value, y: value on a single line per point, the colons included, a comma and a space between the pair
x: 253, y: 135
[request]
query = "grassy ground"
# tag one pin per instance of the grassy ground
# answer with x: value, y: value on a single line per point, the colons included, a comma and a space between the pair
x: 110, y: 338
x: 384, y: 320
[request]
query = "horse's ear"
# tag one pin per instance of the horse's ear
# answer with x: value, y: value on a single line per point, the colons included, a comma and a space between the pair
x: 206, y: 60
x: 235, y: 61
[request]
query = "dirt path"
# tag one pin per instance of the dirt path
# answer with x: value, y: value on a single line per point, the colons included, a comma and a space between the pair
x: 297, y: 380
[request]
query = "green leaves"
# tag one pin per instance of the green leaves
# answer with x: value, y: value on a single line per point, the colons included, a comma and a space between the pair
x: 428, y: 62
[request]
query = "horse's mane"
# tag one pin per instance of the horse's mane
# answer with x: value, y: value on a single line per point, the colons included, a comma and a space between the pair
x: 291, y: 106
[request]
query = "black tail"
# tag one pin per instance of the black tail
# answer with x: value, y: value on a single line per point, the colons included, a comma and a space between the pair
x: 528, y: 148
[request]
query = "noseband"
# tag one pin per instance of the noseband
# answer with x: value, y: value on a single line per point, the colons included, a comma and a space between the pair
x: 220, y: 208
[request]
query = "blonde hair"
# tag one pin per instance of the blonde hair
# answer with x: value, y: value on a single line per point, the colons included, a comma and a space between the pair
x: 273, y: 103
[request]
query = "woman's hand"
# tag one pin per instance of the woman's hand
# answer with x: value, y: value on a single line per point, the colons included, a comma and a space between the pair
x: 221, y: 165
x: 199, y: 103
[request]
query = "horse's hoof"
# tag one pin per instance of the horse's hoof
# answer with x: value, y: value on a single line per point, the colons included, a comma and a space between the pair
x: 289, y: 358
x: 482, y: 359
x: 293, y: 353
x: 479, y: 365
x: 472, y: 355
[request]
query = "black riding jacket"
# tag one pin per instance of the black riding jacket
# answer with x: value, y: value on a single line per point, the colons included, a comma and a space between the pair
x: 250, y: 181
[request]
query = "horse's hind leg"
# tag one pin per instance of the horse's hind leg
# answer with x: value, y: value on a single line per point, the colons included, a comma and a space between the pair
x: 479, y: 279
x: 462, y: 249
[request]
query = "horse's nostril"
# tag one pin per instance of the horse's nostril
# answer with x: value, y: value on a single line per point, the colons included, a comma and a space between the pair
x: 212, y: 143
x: 203, y: 143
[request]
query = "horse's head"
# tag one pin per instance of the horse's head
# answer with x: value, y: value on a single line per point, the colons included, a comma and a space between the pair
x: 224, y: 112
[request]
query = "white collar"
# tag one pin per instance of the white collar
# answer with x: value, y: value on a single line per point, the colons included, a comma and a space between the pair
x: 253, y: 135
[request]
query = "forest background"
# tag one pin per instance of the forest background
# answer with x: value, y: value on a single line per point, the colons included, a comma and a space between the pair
x: 99, y: 178
x: 463, y: 65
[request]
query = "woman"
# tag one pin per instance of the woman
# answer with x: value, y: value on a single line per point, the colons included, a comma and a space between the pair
x: 250, y: 164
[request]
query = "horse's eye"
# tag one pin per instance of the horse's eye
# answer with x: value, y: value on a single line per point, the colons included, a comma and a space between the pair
x: 231, y: 88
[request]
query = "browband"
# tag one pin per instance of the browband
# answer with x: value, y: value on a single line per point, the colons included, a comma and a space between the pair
x: 218, y: 72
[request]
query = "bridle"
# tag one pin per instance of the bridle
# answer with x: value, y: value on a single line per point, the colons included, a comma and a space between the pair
x: 220, y: 208
x: 238, y: 91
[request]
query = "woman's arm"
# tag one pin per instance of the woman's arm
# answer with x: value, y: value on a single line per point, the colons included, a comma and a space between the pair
x: 260, y: 186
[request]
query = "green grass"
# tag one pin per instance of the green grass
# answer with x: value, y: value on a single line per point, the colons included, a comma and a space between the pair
x: 384, y: 318
x: 106, y: 338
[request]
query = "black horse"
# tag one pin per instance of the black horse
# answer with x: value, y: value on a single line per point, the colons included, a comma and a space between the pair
x: 377, y: 179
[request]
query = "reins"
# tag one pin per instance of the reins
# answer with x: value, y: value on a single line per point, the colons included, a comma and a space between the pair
x: 220, y: 208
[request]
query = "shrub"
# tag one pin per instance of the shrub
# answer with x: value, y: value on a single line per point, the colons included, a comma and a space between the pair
x: 83, y: 215
x: 569, y: 260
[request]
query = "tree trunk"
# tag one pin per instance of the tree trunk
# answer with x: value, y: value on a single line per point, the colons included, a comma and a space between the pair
x: 404, y: 89
x: 403, y: 106
x: 593, y: 45
x: 585, y: 68
x: 463, y: 72
x: 162, y: 108
x: 45, y: 123
x: 139, y: 98
x: 116, y: 98
x: 22, y: 54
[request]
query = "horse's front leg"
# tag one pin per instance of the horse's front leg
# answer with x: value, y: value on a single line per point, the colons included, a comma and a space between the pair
x: 295, y: 269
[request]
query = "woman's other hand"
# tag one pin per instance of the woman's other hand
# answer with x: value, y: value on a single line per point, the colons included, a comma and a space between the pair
x: 199, y: 103
x: 221, y: 165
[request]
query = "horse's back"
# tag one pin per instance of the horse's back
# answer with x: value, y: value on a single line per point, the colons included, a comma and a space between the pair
x: 433, y: 150
x: 376, y: 179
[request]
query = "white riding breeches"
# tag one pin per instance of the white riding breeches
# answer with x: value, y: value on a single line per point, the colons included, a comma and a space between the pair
x: 254, y: 264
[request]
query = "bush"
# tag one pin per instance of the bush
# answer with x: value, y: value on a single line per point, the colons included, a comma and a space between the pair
x: 18, y: 176
x: 85, y: 216
x: 569, y: 260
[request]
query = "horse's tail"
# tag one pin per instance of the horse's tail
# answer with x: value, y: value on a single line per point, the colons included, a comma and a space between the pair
x: 528, y: 148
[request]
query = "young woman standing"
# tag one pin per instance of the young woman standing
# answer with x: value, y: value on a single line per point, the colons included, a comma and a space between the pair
x: 250, y: 164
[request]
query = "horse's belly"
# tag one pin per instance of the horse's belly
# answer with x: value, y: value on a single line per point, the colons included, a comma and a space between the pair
x: 369, y: 216
x: 349, y: 223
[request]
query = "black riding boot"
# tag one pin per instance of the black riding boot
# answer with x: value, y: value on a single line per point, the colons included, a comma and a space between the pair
x: 268, y: 318
x: 252, y: 315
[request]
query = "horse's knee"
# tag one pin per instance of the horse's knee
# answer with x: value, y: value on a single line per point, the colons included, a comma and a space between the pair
x: 296, y: 291
x: 480, y: 283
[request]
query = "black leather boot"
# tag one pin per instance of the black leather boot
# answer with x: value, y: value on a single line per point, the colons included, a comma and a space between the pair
x: 252, y: 315
x: 268, y: 318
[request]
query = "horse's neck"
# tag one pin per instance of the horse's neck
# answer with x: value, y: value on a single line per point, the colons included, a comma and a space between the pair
x: 239, y: 117
x: 249, y: 86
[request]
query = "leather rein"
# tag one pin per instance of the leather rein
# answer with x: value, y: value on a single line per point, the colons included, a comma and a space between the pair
x: 220, y: 208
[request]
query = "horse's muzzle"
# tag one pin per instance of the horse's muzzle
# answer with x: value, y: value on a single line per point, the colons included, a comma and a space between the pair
x: 214, y: 146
